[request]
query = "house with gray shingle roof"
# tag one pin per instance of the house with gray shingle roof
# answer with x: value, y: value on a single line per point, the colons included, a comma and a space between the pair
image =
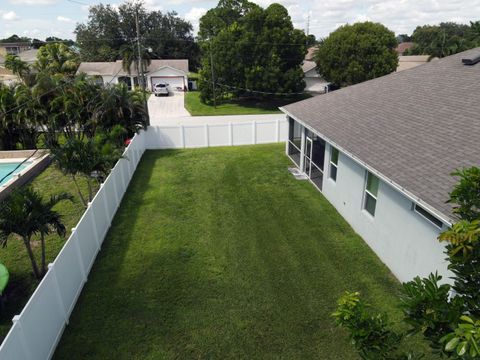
x: 171, y: 71
x: 382, y: 152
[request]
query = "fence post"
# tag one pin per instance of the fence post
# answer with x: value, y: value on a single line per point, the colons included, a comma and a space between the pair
x: 94, y: 226
x: 105, y: 205
x: 182, y: 137
x: 115, y: 189
x: 124, y: 180
x: 230, y: 134
x: 51, y: 268
x: 16, y: 320
x: 207, y: 138
x: 254, y: 132
x: 277, y: 130
x: 79, y: 254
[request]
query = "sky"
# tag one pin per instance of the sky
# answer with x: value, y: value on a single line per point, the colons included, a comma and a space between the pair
x: 42, y: 18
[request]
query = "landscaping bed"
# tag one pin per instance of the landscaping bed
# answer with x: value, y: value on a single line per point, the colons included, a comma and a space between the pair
x: 220, y: 253
x: 236, y: 107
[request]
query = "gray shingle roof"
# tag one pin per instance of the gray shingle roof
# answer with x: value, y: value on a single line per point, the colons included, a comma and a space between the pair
x: 115, y: 68
x: 413, y: 127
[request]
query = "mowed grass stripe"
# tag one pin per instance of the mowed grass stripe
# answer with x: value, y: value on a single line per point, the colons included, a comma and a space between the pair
x: 220, y: 253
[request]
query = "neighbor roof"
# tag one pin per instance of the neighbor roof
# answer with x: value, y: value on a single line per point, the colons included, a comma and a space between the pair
x: 311, y: 53
x: 402, y: 47
x: 413, y: 128
x: 308, y: 65
x: 115, y: 68
x: 411, y: 61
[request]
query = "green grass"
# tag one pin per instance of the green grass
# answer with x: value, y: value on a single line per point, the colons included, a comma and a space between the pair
x: 235, y: 107
x: 22, y: 282
x: 220, y: 253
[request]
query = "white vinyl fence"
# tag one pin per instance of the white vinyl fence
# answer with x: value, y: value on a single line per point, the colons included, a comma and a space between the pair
x: 231, y: 134
x: 36, y: 331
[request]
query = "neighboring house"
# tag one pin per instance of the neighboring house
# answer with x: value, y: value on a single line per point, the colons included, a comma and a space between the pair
x: 311, y: 53
x: 411, y: 61
x: 314, y: 82
x: 382, y: 152
x: 404, y: 46
x: 13, y: 48
x: 173, y: 72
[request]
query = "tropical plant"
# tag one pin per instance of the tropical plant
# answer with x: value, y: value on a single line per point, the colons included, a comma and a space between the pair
x: 8, y: 130
x: 25, y: 214
x: 18, y: 67
x: 371, y: 334
x: 89, y: 158
x: 56, y: 59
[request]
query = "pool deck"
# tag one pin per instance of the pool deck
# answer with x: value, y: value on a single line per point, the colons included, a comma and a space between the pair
x: 39, y: 161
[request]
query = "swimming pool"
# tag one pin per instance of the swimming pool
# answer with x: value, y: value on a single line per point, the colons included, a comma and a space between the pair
x: 6, y: 168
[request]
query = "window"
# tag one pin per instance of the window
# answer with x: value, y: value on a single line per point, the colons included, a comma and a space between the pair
x: 333, y: 163
x: 371, y: 191
x: 425, y: 214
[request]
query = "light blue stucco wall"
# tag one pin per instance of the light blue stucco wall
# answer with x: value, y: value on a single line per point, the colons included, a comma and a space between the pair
x: 404, y: 240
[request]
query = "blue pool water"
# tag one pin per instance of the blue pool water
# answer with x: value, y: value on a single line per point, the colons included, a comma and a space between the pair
x: 6, y: 168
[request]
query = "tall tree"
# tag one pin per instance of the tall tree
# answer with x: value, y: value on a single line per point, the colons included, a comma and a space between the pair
x: 110, y: 29
x: 356, y: 53
x: 250, y: 51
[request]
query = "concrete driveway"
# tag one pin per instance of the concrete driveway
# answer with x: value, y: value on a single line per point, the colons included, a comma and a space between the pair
x: 162, y: 108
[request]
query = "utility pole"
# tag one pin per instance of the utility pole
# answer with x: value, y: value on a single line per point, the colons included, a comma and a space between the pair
x: 213, y: 77
x: 141, y: 75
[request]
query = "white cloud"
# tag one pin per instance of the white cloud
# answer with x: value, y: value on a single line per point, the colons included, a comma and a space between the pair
x: 64, y: 19
x: 194, y: 16
x: 153, y: 5
x: 10, y: 16
x: 33, y: 2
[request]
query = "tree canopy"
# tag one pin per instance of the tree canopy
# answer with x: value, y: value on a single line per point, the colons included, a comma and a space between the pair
x: 445, y: 39
x: 356, y: 53
x: 250, y: 50
x: 110, y: 29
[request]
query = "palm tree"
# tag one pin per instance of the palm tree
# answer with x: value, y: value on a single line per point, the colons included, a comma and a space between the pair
x: 83, y: 158
x: 18, y: 67
x: 25, y: 214
x: 57, y: 58
x: 129, y: 57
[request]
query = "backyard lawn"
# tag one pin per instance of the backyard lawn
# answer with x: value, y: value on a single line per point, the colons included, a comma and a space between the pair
x: 220, y: 253
x: 14, y: 256
x: 235, y: 107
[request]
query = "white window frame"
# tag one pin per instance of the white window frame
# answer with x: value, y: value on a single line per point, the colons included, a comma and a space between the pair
x: 375, y: 197
x: 332, y: 148
x: 414, y: 208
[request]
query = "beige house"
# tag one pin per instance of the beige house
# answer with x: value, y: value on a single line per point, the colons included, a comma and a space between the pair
x: 13, y: 48
x: 171, y: 71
